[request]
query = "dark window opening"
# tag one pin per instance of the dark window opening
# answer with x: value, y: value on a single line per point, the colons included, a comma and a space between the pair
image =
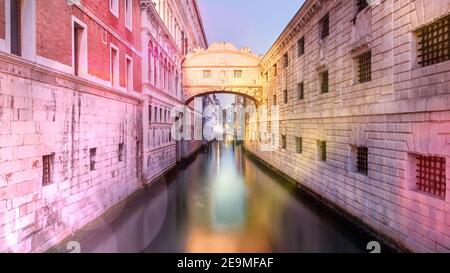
x: 286, y: 60
x: 48, y: 162
x: 431, y: 175
x: 301, y: 91
x: 120, y: 152
x: 16, y: 26
x: 274, y: 99
x: 361, y: 5
x: 324, y: 88
x: 283, y: 142
x: 325, y: 26
x: 285, y: 96
x: 299, y: 145
x: 301, y: 46
x: 92, y: 157
x: 434, y: 43
x: 322, y: 147
x: 362, y: 163
x: 365, y: 67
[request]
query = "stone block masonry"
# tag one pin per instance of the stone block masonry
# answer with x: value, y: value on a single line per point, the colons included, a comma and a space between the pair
x: 374, y: 136
x: 65, y: 121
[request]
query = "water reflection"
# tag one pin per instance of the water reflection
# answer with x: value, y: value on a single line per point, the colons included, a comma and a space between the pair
x: 222, y: 202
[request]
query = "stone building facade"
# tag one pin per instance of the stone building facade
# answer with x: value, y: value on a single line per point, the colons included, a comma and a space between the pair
x: 364, y: 98
x: 75, y: 96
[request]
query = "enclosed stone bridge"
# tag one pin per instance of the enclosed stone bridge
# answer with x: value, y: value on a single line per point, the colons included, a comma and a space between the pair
x: 222, y: 68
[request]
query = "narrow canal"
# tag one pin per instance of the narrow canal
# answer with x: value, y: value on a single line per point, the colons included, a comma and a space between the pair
x: 222, y: 202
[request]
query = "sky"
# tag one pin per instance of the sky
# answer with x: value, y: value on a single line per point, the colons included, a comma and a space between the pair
x: 246, y: 23
x: 253, y: 23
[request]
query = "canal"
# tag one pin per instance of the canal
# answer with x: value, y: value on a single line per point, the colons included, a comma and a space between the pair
x: 222, y: 201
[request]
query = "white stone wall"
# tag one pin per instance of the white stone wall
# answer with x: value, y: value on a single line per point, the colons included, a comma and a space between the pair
x: 44, y: 114
x: 404, y: 110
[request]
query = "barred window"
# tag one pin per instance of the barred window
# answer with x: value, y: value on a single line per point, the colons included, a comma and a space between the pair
x: 299, y: 145
x: 324, y: 88
x: 286, y: 60
x: 285, y: 96
x: 361, y: 5
x: 301, y: 91
x: 322, y: 149
x: 434, y: 43
x: 92, y: 157
x: 120, y: 152
x: 431, y: 175
x: 275, y: 70
x: 237, y: 74
x: 362, y: 165
x: 283, y: 142
x: 325, y: 26
x: 301, y: 46
x: 48, y: 162
x: 365, y: 67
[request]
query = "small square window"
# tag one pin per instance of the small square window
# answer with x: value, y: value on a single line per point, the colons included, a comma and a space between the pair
x: 324, y: 88
x: 365, y: 67
x: 325, y: 26
x: 301, y: 91
x: 206, y: 74
x: 92, y: 158
x: 322, y: 150
x: 285, y: 96
x: 434, y: 43
x: 429, y: 173
x: 301, y: 46
x: 48, y: 164
x: 283, y: 142
x: 299, y: 145
x: 238, y: 74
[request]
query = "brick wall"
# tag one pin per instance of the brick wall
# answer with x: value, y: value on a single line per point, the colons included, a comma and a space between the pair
x: 39, y: 117
x: 403, y: 110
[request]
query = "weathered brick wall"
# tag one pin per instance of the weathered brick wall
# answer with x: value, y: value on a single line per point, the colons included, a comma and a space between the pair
x: 47, y: 114
x: 403, y: 110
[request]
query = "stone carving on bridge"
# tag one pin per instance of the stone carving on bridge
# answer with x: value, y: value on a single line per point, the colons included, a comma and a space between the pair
x: 222, y: 68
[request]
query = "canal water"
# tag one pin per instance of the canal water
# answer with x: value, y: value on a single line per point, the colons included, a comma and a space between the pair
x: 221, y: 202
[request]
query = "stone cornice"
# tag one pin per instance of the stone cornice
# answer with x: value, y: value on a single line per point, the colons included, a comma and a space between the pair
x: 301, y: 20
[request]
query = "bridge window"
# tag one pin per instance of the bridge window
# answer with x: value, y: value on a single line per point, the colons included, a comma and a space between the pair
x: 434, y: 43
x: 365, y: 67
x: 322, y: 150
x: 285, y: 96
x: 301, y: 46
x: 301, y: 91
x: 299, y: 145
x: 206, y: 74
x: 323, y: 77
x: 238, y: 74
x: 325, y: 26
x: 48, y: 165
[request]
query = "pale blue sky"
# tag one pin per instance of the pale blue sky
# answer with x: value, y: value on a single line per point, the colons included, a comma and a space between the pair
x: 253, y: 23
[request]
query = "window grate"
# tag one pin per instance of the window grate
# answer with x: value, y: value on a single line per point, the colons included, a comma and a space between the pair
x: 365, y: 67
x: 434, y: 43
x: 431, y: 178
x: 286, y: 60
x: 301, y: 91
x: 322, y: 150
x: 47, y: 169
x: 362, y: 163
x: 325, y: 25
x: 362, y: 4
x: 301, y: 46
x: 324, y: 88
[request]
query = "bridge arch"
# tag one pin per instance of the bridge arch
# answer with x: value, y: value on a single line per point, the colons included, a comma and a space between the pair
x: 222, y: 68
